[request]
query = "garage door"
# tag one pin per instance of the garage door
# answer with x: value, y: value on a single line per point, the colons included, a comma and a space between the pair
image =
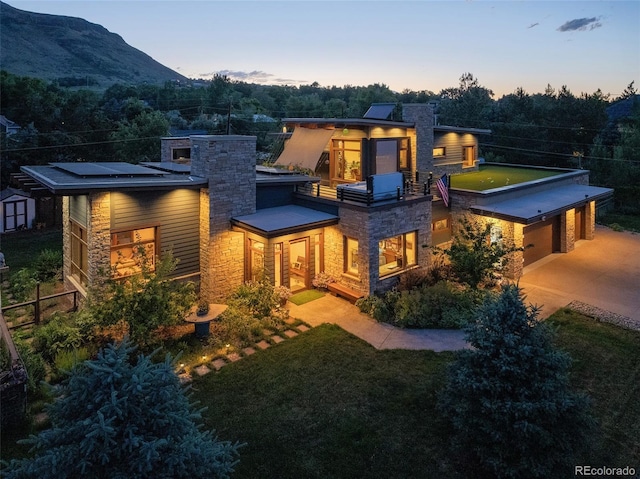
x: 545, y: 238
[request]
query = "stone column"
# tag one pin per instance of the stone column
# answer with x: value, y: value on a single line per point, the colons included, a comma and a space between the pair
x: 228, y: 162
x: 421, y: 114
x: 99, y: 238
x: 567, y: 231
x: 589, y: 220
x: 66, y: 245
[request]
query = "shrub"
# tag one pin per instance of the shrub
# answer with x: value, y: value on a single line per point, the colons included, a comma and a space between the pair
x: 48, y: 264
x: 256, y: 298
x: 322, y: 280
x: 36, y: 369
x: 23, y: 283
x: 55, y: 336
x: 439, y: 306
x: 66, y: 360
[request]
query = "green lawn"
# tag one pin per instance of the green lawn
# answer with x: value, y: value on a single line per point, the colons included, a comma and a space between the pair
x: 22, y: 247
x: 621, y: 221
x: 492, y: 176
x: 326, y: 404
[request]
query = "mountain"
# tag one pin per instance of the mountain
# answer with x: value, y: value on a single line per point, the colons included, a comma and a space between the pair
x: 54, y: 47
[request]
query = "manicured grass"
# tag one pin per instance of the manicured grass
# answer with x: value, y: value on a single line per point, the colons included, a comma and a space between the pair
x: 21, y: 248
x: 327, y: 404
x: 492, y: 176
x: 306, y: 296
x: 619, y: 221
x: 607, y: 366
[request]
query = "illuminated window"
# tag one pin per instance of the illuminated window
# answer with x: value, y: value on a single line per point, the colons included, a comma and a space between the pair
x: 346, y: 160
x: 441, y: 230
x: 277, y: 264
x: 131, y: 250
x: 440, y: 225
x: 256, y: 259
x: 439, y: 152
x: 405, y: 154
x: 79, y: 253
x: 397, y: 253
x: 468, y: 155
x: 351, y: 256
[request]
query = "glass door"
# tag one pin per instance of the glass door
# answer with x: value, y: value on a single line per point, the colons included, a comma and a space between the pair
x: 299, y: 264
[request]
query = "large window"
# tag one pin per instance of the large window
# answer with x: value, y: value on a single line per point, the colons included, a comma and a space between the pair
x: 351, y: 256
x: 256, y: 259
x: 405, y: 154
x: 346, y: 165
x: 397, y: 253
x: 131, y: 249
x: 468, y: 155
x: 79, y: 256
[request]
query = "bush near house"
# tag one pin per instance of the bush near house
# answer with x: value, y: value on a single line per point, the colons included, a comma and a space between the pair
x: 442, y: 305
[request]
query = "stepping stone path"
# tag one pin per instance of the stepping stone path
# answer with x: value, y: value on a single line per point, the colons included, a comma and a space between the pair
x: 219, y: 363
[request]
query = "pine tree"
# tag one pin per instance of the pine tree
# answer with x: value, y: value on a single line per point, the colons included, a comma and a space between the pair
x: 122, y: 417
x: 508, y: 399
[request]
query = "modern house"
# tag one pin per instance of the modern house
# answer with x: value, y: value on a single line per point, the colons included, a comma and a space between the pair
x: 352, y: 198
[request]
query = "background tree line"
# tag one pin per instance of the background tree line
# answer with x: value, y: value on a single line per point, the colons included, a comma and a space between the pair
x: 124, y: 122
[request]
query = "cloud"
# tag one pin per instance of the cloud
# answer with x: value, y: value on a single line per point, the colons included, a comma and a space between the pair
x: 255, y: 76
x: 580, y: 24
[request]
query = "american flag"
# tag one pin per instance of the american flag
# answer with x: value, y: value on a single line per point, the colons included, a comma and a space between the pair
x: 443, y: 188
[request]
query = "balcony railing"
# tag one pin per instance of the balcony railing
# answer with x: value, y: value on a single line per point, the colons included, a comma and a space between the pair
x: 368, y: 195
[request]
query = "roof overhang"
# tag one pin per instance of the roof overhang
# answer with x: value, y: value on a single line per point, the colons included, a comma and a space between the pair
x: 61, y: 182
x: 457, y: 129
x: 283, y: 220
x: 531, y: 208
x: 340, y: 123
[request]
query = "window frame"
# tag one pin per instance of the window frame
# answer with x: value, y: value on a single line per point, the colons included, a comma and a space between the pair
x: 79, y: 248
x: 388, y: 246
x: 351, y: 263
x: 132, y: 266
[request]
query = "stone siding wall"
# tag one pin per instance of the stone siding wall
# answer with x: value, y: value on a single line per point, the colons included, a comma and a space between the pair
x: 567, y: 231
x: 167, y: 145
x: 66, y: 245
x: 99, y: 238
x: 229, y: 164
x: 422, y: 115
x: 369, y: 226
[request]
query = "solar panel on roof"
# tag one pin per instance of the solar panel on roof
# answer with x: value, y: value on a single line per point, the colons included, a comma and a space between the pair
x: 106, y: 169
x: 168, y: 166
x: 380, y: 111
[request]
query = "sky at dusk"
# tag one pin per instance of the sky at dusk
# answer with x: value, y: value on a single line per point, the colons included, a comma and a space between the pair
x: 416, y: 45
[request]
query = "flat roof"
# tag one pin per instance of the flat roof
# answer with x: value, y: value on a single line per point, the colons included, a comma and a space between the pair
x: 283, y: 220
x: 81, y: 178
x: 460, y: 129
x: 342, y: 122
x: 531, y: 208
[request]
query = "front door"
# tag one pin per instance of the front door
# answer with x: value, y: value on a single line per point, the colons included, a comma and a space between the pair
x: 299, y: 264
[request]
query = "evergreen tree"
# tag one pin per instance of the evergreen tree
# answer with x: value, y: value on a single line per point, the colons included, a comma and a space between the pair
x: 508, y: 399
x: 121, y: 417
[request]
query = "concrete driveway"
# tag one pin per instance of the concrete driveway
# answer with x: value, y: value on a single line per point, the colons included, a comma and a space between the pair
x: 603, y: 272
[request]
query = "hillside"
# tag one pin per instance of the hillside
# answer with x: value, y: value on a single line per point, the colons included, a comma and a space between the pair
x: 53, y: 46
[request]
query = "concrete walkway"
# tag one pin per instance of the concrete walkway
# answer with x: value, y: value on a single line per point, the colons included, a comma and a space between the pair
x: 330, y: 309
x: 603, y: 272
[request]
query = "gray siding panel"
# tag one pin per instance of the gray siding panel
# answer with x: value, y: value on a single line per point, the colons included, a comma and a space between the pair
x: 78, y: 209
x: 175, y: 213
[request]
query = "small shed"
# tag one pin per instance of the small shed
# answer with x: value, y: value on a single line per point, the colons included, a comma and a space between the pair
x: 18, y: 210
